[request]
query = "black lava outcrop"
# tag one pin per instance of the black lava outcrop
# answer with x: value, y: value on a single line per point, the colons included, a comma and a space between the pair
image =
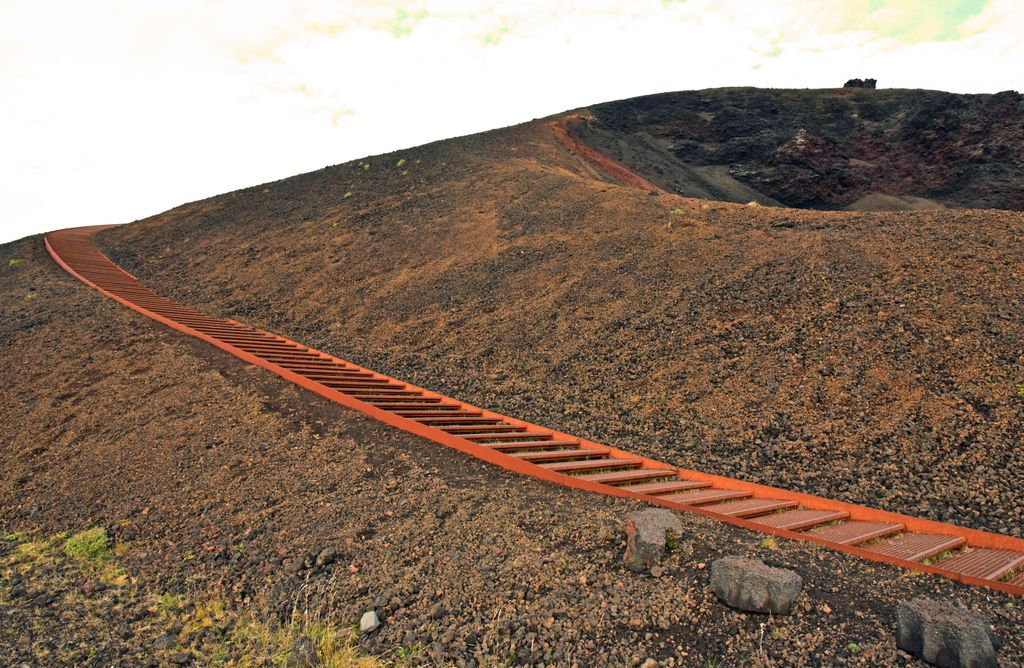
x: 853, y: 148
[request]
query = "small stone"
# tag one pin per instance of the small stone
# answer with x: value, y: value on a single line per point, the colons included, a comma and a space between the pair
x: 369, y: 622
x: 293, y: 564
x: 649, y: 663
x: 945, y: 635
x: 303, y: 654
x: 165, y: 641
x: 752, y: 585
x: 181, y: 658
x: 657, y: 571
x: 328, y: 555
x: 646, y: 533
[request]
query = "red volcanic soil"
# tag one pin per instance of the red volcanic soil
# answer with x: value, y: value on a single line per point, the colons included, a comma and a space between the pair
x: 606, y: 165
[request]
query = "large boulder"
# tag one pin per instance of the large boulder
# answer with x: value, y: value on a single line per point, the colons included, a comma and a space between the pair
x: 754, y: 586
x: 646, y: 535
x: 945, y: 635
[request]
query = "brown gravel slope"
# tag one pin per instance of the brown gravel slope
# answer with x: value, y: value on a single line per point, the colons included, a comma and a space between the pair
x: 876, y: 358
x: 217, y: 478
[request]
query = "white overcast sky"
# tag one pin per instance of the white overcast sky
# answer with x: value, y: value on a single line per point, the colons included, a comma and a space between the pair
x: 113, y: 110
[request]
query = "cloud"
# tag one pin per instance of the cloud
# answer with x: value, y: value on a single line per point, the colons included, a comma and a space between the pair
x: 115, y: 109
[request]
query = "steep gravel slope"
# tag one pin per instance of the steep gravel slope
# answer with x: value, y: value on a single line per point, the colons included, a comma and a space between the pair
x: 875, y: 358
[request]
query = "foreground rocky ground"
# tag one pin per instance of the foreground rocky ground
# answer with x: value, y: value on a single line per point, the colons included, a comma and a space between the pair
x: 871, y: 357
x: 229, y: 495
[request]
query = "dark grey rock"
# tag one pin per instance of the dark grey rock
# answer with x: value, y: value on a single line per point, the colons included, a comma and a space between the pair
x: 646, y: 533
x: 165, y: 641
x: 303, y: 654
x: 752, y: 585
x: 328, y: 555
x: 945, y: 635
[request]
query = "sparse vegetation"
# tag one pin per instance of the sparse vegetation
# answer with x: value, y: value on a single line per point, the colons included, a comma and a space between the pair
x: 678, y: 211
x: 769, y: 543
x: 91, y: 545
x: 207, y: 630
x: 853, y: 647
x: 14, y: 262
x: 1020, y: 390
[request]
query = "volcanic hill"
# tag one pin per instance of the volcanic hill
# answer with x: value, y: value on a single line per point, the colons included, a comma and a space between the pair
x: 871, y: 356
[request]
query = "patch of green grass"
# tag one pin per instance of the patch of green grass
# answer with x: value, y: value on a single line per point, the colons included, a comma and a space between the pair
x: 14, y: 262
x: 168, y: 602
x: 16, y: 537
x: 853, y: 647
x: 91, y: 545
x: 944, y: 555
x: 671, y: 542
x: 769, y: 543
x: 678, y: 211
x: 1020, y: 390
x: 405, y: 655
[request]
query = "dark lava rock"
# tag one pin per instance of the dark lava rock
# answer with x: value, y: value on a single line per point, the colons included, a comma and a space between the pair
x: 303, y: 654
x: 752, y: 585
x: 821, y: 149
x: 945, y: 635
x: 327, y: 556
x: 646, y: 534
x: 293, y: 564
x: 165, y: 641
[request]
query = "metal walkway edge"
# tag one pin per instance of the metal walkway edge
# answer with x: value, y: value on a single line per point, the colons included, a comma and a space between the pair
x: 967, y: 555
